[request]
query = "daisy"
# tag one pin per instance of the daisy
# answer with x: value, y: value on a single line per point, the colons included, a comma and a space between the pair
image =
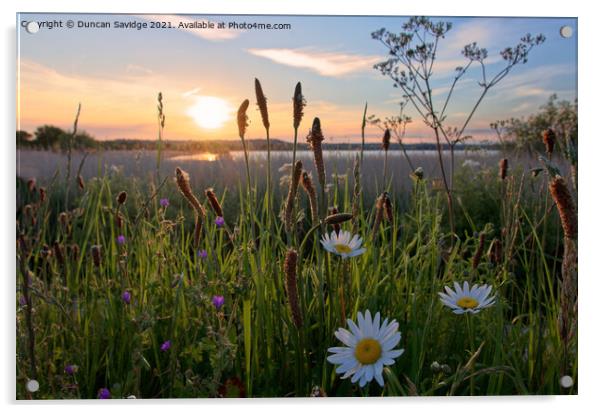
x: 466, y: 299
x: 343, y: 244
x: 369, y: 347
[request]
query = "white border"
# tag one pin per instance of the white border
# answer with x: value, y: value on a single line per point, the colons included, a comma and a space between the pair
x: 590, y: 152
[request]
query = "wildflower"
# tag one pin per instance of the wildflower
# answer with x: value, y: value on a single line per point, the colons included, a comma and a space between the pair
x: 126, y: 297
x: 219, y: 222
x: 566, y: 381
x: 166, y: 345
x: 71, y: 369
x: 32, y: 386
x: 121, y: 239
x: 343, y: 244
x: 466, y: 299
x: 202, y: 254
x: 22, y: 301
x: 104, y: 393
x: 369, y: 346
x: 164, y: 202
x: 218, y: 301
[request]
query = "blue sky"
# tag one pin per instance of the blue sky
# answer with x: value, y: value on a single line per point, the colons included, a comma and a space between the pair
x: 116, y: 74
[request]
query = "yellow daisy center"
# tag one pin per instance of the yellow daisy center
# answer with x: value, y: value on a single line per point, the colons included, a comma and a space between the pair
x: 467, y: 302
x: 367, y: 351
x: 342, y: 248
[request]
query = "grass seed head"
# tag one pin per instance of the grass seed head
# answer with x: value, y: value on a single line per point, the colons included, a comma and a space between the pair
x: 503, y: 168
x: 183, y: 181
x: 262, y: 103
x: 298, y: 105
x: 337, y: 218
x: 565, y: 205
x: 315, y: 139
x: 549, y: 140
x: 388, y: 207
x: 242, y: 118
x: 290, y: 271
x: 476, y: 258
x: 96, y: 255
x: 214, y: 202
x: 122, y: 197
x: 387, y: 139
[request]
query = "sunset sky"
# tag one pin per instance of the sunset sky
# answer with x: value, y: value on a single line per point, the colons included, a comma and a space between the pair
x: 205, y: 74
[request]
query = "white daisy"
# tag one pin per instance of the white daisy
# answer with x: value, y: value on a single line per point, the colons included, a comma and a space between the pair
x: 466, y: 299
x: 343, y: 244
x: 369, y: 347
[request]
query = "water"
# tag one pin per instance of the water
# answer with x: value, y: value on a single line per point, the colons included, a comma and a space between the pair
x: 228, y: 170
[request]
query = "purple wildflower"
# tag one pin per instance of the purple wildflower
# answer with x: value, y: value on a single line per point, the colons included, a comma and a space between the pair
x: 164, y: 202
x: 126, y: 297
x: 218, y: 301
x: 202, y: 254
x: 121, y: 239
x: 22, y: 301
x: 71, y: 369
x: 219, y: 222
x: 166, y: 345
x: 104, y: 393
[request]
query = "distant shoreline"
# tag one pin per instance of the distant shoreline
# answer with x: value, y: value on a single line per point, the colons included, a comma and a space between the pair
x: 225, y: 146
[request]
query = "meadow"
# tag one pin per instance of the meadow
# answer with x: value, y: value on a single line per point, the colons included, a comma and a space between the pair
x: 152, y: 276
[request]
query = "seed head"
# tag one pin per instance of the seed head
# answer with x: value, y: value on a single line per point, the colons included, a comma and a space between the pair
x: 183, y: 181
x: 388, y: 206
x: 242, y: 118
x: 503, y: 168
x: 476, y: 258
x: 213, y: 201
x: 121, y: 198
x: 315, y: 139
x: 262, y: 103
x: 298, y: 105
x: 96, y: 255
x: 565, y: 205
x: 337, y: 218
x: 387, y: 139
x: 549, y: 140
x: 290, y: 271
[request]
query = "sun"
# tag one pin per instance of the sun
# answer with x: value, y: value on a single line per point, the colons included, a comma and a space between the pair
x: 210, y: 112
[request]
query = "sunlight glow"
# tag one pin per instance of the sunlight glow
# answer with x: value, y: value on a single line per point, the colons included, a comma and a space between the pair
x: 210, y: 112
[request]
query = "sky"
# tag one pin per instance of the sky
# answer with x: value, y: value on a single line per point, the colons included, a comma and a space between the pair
x: 204, y: 74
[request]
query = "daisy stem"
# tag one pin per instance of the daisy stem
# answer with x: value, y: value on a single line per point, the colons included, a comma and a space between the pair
x: 470, y: 344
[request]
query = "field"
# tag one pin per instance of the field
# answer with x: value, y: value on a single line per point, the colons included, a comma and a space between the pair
x: 125, y: 287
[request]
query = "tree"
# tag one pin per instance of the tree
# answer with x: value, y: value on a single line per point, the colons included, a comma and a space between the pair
x: 23, y: 138
x: 525, y: 133
x: 48, y: 136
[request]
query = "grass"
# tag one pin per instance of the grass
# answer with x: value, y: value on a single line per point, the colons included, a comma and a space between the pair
x: 251, y: 345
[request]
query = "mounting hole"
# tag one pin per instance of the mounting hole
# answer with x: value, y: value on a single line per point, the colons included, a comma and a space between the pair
x: 566, y: 31
x: 32, y: 27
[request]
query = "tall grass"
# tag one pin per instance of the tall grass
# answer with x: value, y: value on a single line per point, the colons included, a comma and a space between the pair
x: 284, y: 299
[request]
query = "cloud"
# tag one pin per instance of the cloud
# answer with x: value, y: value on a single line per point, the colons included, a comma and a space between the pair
x: 213, y: 34
x: 136, y: 70
x: 324, y: 63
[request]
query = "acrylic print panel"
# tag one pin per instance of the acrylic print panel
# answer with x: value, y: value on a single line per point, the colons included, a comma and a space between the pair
x: 276, y: 205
